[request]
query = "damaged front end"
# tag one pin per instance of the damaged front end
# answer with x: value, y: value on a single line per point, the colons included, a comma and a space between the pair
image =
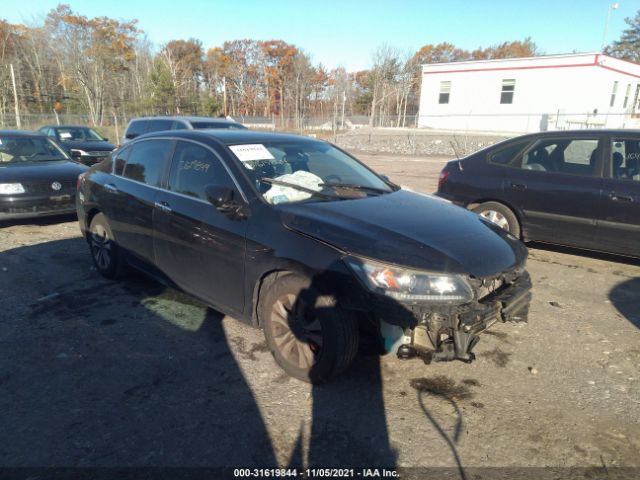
x: 443, y: 331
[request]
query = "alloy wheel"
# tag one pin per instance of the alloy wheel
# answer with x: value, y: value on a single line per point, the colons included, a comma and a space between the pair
x: 298, y: 341
x: 497, y: 218
x: 101, y: 246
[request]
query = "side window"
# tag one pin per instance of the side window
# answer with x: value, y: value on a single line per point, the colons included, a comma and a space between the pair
x: 120, y: 160
x: 136, y: 128
x: 445, y: 92
x: 625, y: 159
x: 159, y: 125
x: 147, y: 160
x: 194, y: 168
x: 178, y: 126
x: 572, y: 156
x: 508, y: 88
x: 508, y: 155
x: 50, y: 132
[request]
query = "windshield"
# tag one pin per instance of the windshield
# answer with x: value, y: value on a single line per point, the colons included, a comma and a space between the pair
x: 229, y: 126
x: 78, y: 134
x: 29, y: 149
x: 286, y: 172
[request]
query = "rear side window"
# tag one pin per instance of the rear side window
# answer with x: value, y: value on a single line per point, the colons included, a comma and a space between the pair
x: 136, y: 128
x: 120, y: 159
x: 508, y: 154
x: 576, y: 156
x: 147, y: 160
x: 178, y: 126
x: 194, y: 168
x: 159, y: 125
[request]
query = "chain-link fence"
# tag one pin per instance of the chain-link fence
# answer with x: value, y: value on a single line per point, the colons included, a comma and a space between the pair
x: 439, y: 135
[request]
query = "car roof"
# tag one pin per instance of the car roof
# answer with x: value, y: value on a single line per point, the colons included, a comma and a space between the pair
x: 20, y: 133
x: 581, y: 132
x: 231, y: 137
x: 187, y: 118
x: 65, y: 126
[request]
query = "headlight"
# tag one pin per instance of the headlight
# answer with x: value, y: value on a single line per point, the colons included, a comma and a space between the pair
x: 77, y: 151
x: 411, y: 285
x: 11, y: 188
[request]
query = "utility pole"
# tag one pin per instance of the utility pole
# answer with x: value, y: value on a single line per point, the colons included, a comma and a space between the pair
x: 613, y: 6
x: 15, y: 96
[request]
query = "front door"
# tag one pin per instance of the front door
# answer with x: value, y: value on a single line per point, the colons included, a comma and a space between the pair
x: 198, y: 247
x: 619, y: 223
x: 557, y: 189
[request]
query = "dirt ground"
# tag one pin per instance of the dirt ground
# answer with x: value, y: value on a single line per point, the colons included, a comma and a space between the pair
x: 99, y: 373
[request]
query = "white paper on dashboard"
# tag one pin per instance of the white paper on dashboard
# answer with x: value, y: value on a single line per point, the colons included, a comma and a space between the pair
x: 252, y: 152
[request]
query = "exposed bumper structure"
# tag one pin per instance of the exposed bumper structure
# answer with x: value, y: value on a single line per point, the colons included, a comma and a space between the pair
x: 450, y: 332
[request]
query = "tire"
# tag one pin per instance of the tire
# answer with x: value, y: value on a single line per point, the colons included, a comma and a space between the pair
x: 104, y: 251
x: 501, y: 215
x: 310, y: 337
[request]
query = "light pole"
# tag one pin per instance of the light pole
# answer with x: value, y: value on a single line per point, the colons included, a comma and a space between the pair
x: 612, y: 6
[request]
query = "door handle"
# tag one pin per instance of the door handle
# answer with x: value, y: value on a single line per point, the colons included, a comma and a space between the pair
x: 110, y: 187
x: 620, y: 198
x: 164, y: 206
x: 518, y: 186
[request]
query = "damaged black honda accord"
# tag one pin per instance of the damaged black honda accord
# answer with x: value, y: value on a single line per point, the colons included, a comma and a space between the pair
x: 297, y: 237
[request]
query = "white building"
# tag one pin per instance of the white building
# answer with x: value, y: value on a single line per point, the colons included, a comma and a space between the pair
x: 553, y: 92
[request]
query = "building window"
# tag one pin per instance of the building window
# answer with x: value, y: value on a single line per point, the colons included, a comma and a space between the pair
x: 613, y: 94
x: 508, y: 87
x: 445, y: 92
x: 626, y: 95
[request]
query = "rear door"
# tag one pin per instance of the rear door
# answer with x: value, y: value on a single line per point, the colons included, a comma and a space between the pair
x: 130, y: 194
x: 556, y: 187
x: 199, y: 248
x: 619, y: 224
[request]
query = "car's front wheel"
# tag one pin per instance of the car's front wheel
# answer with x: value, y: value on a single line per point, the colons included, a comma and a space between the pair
x: 501, y: 215
x: 310, y: 337
x: 104, y: 251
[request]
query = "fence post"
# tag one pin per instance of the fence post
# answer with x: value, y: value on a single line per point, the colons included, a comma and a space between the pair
x: 15, y: 96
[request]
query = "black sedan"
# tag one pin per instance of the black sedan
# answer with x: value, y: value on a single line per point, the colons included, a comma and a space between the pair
x: 37, y: 177
x: 575, y: 188
x: 296, y: 236
x: 82, y: 143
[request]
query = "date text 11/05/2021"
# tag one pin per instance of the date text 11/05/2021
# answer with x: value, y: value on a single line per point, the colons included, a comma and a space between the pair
x: 315, y: 473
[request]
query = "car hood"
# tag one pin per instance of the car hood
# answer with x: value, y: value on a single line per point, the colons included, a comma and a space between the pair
x: 410, y: 229
x: 28, y: 172
x: 89, y: 146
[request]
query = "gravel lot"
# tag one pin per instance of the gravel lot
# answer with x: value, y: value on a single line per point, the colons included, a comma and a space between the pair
x: 97, y: 373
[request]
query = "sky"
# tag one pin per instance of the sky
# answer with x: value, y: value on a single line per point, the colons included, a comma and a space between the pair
x: 346, y: 32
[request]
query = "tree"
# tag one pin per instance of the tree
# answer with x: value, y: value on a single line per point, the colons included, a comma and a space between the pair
x: 628, y: 47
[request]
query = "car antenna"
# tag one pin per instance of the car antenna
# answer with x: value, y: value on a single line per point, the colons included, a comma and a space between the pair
x: 455, y: 150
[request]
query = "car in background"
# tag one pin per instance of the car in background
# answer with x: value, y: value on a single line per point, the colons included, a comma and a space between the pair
x: 575, y: 188
x: 83, y: 143
x: 142, y: 125
x: 37, y: 177
x: 296, y: 236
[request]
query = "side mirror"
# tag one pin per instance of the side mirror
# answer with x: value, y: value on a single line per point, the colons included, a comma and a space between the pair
x: 223, y: 198
x: 131, y: 136
x: 385, y: 177
x: 105, y: 139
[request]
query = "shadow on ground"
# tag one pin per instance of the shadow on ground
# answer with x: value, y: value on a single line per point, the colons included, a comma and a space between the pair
x: 626, y: 298
x: 133, y: 373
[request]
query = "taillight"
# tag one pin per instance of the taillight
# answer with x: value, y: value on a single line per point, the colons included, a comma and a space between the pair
x: 442, y: 178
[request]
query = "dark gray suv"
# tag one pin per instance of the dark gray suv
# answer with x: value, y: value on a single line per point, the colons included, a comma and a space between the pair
x: 141, y: 125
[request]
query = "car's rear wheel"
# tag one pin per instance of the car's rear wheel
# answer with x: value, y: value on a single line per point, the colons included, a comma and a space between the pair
x: 501, y: 215
x: 310, y: 337
x: 104, y: 251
